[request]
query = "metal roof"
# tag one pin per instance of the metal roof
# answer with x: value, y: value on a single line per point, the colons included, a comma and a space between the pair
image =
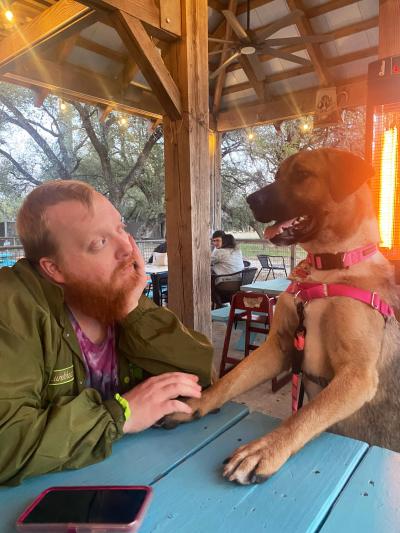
x: 351, y: 27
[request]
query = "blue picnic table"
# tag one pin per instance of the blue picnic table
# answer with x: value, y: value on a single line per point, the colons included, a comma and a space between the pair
x: 333, y: 484
x: 6, y: 259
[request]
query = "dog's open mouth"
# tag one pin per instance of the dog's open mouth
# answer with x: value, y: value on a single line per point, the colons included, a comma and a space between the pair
x: 291, y: 231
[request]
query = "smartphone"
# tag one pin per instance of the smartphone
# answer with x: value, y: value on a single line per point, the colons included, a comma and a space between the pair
x: 85, y: 509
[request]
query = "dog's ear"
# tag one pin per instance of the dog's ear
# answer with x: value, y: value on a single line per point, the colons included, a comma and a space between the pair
x: 347, y: 172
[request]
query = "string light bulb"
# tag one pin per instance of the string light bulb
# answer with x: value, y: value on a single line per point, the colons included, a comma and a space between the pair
x: 9, y: 15
x: 123, y: 121
x: 305, y: 126
x: 250, y: 135
x: 63, y: 106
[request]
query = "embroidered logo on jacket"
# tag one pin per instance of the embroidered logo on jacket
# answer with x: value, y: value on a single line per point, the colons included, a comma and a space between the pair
x: 62, y: 376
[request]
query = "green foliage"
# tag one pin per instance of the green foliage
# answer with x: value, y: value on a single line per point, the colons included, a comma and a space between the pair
x: 124, y: 160
x: 120, y: 156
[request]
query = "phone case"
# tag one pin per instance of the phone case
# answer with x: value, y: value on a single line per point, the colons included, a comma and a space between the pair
x: 86, y: 528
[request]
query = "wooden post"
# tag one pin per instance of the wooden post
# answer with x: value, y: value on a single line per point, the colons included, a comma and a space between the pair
x: 389, y: 28
x: 187, y: 187
x: 215, y: 180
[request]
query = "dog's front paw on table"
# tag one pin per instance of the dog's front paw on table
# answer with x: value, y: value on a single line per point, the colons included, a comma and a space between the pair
x: 257, y: 461
x: 174, y: 419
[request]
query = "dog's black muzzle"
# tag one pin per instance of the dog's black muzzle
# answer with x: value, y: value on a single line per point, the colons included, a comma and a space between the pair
x: 264, y: 202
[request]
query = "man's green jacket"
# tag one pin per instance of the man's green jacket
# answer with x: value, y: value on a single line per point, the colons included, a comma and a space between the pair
x: 49, y: 421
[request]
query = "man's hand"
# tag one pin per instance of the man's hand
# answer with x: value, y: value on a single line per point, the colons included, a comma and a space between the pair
x: 156, y: 397
x: 140, y: 278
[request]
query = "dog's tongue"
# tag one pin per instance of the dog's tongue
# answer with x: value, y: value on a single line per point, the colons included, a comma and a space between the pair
x: 271, y: 231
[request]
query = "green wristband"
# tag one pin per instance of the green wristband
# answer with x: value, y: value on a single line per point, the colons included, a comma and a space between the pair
x: 124, y: 404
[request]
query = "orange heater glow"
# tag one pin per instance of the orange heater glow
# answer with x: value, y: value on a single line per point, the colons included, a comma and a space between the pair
x: 383, y: 150
x: 388, y: 182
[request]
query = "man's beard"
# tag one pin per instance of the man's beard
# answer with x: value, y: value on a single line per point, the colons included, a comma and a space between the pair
x: 106, y: 302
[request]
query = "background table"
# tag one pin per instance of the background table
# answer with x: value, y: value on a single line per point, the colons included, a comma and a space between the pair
x: 321, y: 486
x: 272, y: 287
x: 153, y: 269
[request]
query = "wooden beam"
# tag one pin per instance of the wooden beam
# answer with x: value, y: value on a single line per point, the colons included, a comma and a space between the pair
x: 154, y: 125
x: 316, y: 11
x: 254, y: 4
x: 65, y: 48
x: 40, y: 96
x: 128, y: 73
x: 219, y: 84
x: 105, y: 111
x: 146, y: 55
x: 60, y: 20
x: 336, y: 34
x: 389, y: 28
x: 101, y: 50
x: 147, y: 11
x: 76, y: 83
x: 300, y: 71
x: 288, y: 106
x: 187, y: 174
x: 314, y: 50
x: 216, y: 5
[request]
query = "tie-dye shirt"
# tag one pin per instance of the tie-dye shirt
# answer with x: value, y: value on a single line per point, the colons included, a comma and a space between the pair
x: 100, y: 361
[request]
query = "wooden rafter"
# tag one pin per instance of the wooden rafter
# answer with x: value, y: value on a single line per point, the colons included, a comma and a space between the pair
x: 105, y: 111
x: 293, y: 73
x: 316, y: 11
x: 287, y: 106
x: 104, y: 51
x: 314, y: 50
x: 55, y: 23
x: 129, y: 71
x: 254, y: 4
x: 77, y: 83
x: 219, y: 84
x: 336, y: 34
x: 146, y: 55
x: 147, y: 11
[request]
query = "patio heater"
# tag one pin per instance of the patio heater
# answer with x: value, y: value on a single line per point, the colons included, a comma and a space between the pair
x: 383, y: 151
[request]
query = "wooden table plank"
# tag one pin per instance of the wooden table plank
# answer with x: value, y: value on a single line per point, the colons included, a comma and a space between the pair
x: 371, y: 501
x: 136, y: 460
x: 196, y: 498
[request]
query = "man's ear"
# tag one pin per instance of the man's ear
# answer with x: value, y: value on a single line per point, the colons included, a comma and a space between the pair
x: 346, y: 173
x: 51, y: 270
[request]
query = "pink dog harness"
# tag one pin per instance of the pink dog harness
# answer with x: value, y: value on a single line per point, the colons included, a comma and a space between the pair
x: 305, y: 292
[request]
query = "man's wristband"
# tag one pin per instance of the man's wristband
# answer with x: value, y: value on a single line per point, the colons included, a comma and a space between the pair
x: 124, y: 404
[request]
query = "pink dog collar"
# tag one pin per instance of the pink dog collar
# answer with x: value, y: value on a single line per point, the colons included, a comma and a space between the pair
x: 341, y: 259
x: 309, y: 291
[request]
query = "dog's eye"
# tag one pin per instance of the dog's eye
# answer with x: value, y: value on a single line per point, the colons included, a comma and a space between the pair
x: 301, y: 175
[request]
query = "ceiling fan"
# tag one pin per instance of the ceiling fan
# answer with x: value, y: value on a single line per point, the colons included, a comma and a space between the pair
x: 250, y: 43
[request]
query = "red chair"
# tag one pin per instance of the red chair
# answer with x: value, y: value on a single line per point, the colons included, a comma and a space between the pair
x: 256, y: 310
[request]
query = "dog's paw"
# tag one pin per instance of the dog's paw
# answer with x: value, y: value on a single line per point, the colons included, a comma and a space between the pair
x: 174, y: 419
x: 171, y: 421
x: 257, y: 461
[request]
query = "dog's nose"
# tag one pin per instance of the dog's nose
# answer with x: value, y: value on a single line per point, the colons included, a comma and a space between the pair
x: 253, y: 200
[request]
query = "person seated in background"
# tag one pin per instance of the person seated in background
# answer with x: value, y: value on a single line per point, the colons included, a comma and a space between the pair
x: 225, y: 260
x: 160, y: 249
x: 216, y: 239
x: 85, y: 357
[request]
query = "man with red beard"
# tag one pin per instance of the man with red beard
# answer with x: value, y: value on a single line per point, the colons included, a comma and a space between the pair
x: 85, y: 357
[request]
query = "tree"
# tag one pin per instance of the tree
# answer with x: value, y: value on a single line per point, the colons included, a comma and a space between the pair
x: 67, y: 140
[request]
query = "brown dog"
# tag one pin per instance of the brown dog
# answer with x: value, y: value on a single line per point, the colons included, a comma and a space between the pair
x: 320, y: 199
